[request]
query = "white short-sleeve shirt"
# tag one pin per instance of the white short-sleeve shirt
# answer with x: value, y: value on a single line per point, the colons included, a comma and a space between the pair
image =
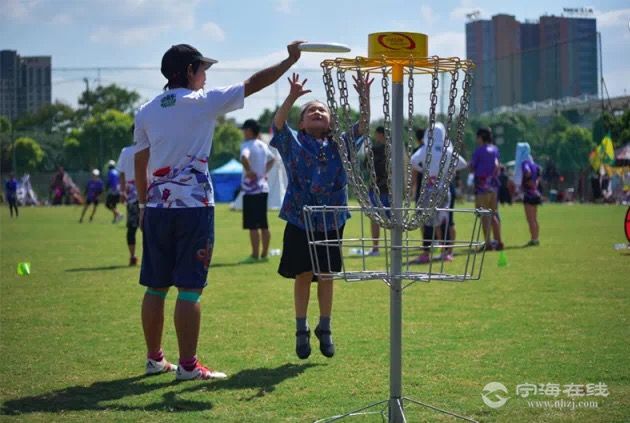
x: 177, y: 126
x: 126, y: 165
x: 258, y: 154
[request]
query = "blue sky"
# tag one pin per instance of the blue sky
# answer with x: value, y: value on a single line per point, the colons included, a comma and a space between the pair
x: 247, y: 35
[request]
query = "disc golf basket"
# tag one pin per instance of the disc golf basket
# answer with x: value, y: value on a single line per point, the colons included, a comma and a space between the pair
x: 396, y: 60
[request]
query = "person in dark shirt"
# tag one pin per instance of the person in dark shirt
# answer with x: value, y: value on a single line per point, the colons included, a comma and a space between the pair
x: 380, y: 169
x: 10, y: 188
x: 93, y: 190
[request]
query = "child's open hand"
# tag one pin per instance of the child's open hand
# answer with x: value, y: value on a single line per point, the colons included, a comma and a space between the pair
x: 362, y: 84
x: 297, y: 87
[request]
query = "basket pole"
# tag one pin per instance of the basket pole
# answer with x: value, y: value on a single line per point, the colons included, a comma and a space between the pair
x: 396, y: 413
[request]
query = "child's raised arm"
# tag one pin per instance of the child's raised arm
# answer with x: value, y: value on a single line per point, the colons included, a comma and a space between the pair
x: 297, y: 90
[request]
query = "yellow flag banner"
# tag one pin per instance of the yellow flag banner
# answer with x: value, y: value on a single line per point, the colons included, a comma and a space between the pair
x: 594, y: 160
x: 606, y: 151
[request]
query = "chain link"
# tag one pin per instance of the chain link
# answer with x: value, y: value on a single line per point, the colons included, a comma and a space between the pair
x: 427, y: 209
x: 408, y: 195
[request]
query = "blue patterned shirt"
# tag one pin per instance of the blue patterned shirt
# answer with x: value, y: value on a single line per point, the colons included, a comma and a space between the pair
x: 316, y: 177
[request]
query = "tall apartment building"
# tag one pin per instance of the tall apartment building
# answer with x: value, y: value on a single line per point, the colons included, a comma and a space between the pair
x: 25, y: 83
x: 518, y: 62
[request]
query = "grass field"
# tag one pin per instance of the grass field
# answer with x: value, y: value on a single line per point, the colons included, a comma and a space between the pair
x: 72, y: 349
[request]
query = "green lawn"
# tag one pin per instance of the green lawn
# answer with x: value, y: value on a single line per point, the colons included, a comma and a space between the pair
x: 72, y: 349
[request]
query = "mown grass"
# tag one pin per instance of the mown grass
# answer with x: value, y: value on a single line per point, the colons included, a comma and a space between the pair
x: 72, y: 347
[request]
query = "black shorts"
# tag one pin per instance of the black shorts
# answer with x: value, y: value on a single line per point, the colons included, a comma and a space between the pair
x: 112, y: 199
x: 533, y: 200
x: 133, y: 215
x: 91, y: 201
x: 255, y: 211
x: 296, y: 257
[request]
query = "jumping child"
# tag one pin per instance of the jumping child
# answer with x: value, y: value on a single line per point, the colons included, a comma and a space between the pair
x: 315, y: 177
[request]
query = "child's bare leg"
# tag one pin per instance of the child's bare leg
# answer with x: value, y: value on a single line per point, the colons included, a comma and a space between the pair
x: 323, y: 332
x: 301, y: 295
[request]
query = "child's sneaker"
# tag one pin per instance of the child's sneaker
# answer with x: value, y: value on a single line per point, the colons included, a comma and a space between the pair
x: 447, y: 257
x: 154, y: 367
x: 199, y: 372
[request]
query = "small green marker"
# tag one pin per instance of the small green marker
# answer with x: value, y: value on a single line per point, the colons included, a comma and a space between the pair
x: 502, y: 262
x: 24, y: 269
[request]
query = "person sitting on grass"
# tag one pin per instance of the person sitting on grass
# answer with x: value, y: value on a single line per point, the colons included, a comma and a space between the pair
x: 315, y: 177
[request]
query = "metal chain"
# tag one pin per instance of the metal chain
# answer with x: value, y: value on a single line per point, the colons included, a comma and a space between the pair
x: 444, y: 180
x: 377, y: 215
x: 426, y: 207
x: 347, y: 146
x: 410, y: 142
x: 463, y: 110
x: 387, y: 124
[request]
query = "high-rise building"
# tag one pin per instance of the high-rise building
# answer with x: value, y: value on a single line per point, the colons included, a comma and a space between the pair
x: 531, y: 61
x: 25, y: 83
x: 9, y: 82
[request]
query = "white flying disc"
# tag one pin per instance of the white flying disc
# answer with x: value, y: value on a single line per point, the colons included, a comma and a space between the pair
x: 324, y: 47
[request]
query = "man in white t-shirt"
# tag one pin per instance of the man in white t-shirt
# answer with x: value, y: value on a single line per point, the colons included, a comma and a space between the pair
x: 257, y: 161
x: 129, y: 195
x: 173, y: 136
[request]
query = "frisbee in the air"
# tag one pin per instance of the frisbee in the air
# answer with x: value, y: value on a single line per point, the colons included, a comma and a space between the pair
x: 324, y: 48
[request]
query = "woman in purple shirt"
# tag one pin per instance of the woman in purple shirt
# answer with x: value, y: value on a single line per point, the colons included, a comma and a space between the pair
x: 531, y: 195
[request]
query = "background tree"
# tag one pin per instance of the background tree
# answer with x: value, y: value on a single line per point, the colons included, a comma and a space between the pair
x: 28, y: 154
x: 101, y: 138
x: 109, y: 97
x: 226, y: 143
x: 5, y: 143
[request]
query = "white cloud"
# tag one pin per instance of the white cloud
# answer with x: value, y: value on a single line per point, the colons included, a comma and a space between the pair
x: 463, y: 8
x: 61, y: 19
x: 613, y: 18
x: 213, y: 31
x: 427, y: 15
x: 126, y: 37
x: 448, y: 44
x: 18, y: 9
x: 284, y: 6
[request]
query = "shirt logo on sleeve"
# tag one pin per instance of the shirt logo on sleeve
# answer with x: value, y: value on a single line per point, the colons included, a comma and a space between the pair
x: 168, y: 101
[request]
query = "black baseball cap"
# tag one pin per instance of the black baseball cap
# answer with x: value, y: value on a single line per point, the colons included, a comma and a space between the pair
x: 178, y: 57
x: 251, y: 124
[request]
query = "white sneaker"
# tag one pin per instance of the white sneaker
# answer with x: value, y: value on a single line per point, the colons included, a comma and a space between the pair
x: 154, y: 367
x: 199, y: 372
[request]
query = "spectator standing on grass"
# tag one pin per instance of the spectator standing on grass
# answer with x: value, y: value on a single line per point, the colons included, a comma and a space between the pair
x: 129, y: 196
x: 380, y: 169
x: 257, y: 161
x: 10, y: 189
x: 113, y: 191
x: 485, y: 166
x: 532, y: 197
